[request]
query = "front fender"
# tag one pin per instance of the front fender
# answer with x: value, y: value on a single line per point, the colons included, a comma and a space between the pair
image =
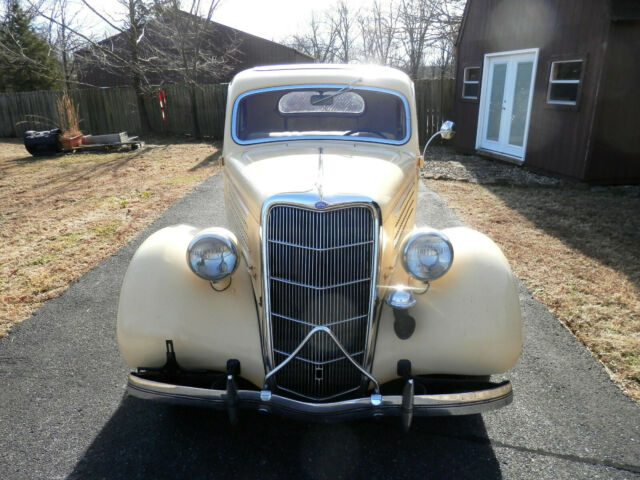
x: 467, y: 323
x: 161, y: 299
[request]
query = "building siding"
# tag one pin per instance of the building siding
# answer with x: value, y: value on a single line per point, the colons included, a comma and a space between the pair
x: 615, y: 142
x: 561, y: 30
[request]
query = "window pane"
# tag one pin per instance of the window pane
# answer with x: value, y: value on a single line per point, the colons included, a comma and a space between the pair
x: 470, y: 90
x: 563, y: 92
x: 472, y: 74
x: 495, y: 102
x: 520, y: 103
x: 309, y: 102
x: 275, y: 114
x: 567, y: 70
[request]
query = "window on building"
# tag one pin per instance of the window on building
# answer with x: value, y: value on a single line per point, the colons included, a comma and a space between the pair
x: 564, y: 82
x: 471, y: 82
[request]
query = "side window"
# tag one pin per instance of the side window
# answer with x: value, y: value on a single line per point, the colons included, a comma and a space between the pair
x: 564, y: 82
x: 471, y: 83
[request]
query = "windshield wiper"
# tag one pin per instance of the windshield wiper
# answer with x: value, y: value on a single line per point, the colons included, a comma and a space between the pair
x: 344, y: 89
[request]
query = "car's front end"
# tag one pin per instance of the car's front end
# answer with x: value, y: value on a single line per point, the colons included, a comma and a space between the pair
x: 323, y: 300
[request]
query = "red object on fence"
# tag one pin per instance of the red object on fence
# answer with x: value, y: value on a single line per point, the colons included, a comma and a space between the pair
x: 162, y: 100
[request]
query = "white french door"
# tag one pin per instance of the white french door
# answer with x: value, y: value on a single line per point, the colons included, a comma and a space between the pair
x: 505, y: 102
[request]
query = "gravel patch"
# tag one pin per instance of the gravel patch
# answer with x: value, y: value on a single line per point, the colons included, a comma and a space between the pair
x: 443, y: 163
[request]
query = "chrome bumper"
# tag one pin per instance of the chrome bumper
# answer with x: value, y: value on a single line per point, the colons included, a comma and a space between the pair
x: 495, y: 396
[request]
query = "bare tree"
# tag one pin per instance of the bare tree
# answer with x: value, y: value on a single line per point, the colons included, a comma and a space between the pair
x: 157, y: 43
x: 417, y: 24
x: 319, y: 42
x: 187, y: 45
x: 449, y: 15
x: 379, y: 31
x: 406, y: 34
x: 188, y: 48
x: 63, y: 39
x: 120, y: 55
x: 125, y: 53
x: 332, y: 35
x: 343, y: 22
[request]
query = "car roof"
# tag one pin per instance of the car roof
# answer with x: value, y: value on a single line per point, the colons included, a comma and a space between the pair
x: 316, y: 73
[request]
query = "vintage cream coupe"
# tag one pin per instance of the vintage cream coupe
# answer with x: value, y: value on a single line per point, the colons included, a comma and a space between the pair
x: 324, y: 300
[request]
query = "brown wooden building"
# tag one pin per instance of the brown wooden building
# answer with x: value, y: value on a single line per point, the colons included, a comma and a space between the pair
x: 241, y: 50
x: 553, y: 85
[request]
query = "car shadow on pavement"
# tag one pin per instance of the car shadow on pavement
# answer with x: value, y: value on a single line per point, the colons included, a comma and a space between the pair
x: 150, y: 440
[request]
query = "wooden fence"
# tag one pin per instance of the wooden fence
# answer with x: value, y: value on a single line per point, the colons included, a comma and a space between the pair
x: 101, y: 110
x: 110, y: 110
x: 211, y: 102
x: 434, y: 103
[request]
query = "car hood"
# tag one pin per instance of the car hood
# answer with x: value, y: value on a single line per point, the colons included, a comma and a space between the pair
x: 330, y: 171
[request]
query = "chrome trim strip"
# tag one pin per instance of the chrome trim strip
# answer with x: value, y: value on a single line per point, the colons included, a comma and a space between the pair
x: 465, y: 403
x: 308, y: 200
x: 236, y: 102
x: 376, y: 305
x: 400, y: 204
x: 291, y: 356
x: 319, y: 184
x: 355, y: 364
x: 344, y: 351
x: 237, y: 214
x: 403, y: 218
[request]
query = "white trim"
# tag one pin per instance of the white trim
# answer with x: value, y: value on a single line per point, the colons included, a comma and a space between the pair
x: 566, y: 82
x: 469, y: 82
x: 484, y: 87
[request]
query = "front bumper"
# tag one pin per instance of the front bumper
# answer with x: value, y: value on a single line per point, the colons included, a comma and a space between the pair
x: 490, y: 396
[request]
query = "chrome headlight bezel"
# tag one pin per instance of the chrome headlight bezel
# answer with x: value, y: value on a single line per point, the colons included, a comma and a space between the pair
x: 225, y: 240
x: 410, y: 242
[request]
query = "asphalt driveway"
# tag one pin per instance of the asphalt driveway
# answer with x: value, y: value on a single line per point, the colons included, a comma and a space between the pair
x: 64, y: 412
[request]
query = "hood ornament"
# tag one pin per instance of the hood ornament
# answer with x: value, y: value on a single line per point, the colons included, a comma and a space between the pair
x: 320, y: 204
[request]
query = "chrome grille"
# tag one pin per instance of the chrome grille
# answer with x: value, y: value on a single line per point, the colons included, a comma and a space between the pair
x: 320, y: 269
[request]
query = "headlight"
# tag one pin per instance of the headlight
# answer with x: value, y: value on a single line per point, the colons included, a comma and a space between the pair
x: 427, y: 255
x: 212, y: 254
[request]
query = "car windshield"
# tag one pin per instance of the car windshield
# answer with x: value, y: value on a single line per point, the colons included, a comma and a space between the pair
x: 343, y: 112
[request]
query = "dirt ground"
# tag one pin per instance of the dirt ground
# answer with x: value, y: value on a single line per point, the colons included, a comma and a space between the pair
x: 576, y: 247
x: 62, y: 215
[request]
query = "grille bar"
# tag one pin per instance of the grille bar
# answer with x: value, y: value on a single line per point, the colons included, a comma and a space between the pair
x: 320, y: 271
x: 276, y: 279
x: 318, y: 249
x: 325, y: 362
x: 312, y: 325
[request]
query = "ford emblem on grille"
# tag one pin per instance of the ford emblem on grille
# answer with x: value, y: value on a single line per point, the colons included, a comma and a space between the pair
x: 321, y: 204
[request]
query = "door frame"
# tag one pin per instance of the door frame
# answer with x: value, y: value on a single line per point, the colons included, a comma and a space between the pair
x: 484, y: 98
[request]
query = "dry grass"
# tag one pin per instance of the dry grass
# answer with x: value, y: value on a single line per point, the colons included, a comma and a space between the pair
x: 578, y: 251
x: 60, y: 216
